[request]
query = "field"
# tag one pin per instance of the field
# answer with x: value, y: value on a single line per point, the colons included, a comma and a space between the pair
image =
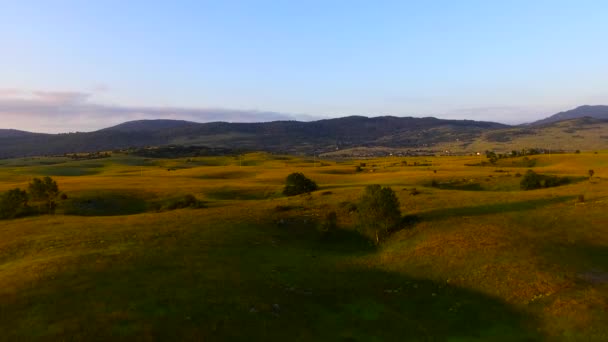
x: 479, y: 260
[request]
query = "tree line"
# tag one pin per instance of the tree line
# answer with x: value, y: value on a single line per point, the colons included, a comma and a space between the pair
x: 40, y: 198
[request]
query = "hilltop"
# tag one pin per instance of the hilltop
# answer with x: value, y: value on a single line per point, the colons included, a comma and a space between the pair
x: 597, y: 112
x: 149, y: 125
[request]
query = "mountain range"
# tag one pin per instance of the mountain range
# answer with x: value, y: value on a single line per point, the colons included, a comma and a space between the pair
x: 327, y: 136
x: 597, y: 112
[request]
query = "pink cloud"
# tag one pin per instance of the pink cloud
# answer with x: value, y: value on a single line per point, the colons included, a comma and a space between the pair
x: 55, y: 112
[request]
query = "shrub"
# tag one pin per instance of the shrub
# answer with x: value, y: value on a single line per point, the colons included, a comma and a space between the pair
x: 329, y: 223
x: 280, y: 208
x: 13, y: 203
x: 350, y: 207
x: 187, y: 201
x: 378, y: 211
x: 533, y: 180
x: 296, y: 184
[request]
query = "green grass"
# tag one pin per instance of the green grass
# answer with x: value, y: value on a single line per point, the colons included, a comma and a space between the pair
x: 495, y: 263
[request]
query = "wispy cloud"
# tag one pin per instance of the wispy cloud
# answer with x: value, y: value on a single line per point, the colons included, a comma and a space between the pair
x: 49, y: 111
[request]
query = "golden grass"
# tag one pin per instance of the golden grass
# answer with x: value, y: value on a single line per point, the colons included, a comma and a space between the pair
x: 527, y: 249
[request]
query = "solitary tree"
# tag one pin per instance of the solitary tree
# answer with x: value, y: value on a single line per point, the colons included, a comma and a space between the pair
x: 44, y: 190
x: 492, y: 157
x: 591, y: 173
x: 531, y: 180
x: 13, y: 203
x: 296, y: 183
x: 378, y: 211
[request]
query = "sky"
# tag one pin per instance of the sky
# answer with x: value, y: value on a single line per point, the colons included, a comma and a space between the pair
x: 83, y: 65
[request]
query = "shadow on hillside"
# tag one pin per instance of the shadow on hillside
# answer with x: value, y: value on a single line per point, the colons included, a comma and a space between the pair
x: 588, y: 260
x: 68, y: 169
x: 163, y: 298
x: 286, y: 287
x: 104, y: 203
x: 440, y: 214
x: 302, y: 231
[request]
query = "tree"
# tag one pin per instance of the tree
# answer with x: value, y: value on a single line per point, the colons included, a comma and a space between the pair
x: 296, y: 183
x: 492, y: 157
x: 44, y: 190
x: 378, y: 211
x: 531, y: 180
x: 591, y: 173
x: 13, y: 203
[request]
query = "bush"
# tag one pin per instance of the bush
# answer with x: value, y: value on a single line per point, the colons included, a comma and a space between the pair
x: 187, y: 201
x: 280, y: 208
x: 329, y: 223
x: 296, y: 184
x: 13, y: 203
x: 533, y: 180
x: 378, y: 211
x: 350, y: 207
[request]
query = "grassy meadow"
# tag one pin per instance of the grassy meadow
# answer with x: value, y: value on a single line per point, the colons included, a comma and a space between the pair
x: 479, y: 260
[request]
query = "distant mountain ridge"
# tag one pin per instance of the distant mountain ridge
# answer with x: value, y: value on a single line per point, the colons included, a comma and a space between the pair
x: 276, y: 136
x: 149, y: 125
x: 597, y: 112
x: 322, y: 136
x: 14, y: 133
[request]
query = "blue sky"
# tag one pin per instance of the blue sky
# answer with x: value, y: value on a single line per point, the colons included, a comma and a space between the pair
x: 82, y: 65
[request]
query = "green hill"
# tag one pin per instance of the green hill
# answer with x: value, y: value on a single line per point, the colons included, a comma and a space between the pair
x: 483, y: 262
